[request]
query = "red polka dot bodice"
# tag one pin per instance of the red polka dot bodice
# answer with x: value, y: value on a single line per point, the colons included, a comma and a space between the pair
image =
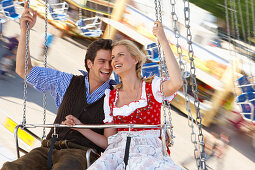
x: 149, y: 114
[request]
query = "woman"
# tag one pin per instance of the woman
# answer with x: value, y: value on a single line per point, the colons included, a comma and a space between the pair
x: 135, y: 101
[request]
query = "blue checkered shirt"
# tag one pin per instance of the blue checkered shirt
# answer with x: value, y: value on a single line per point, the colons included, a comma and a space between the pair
x: 56, y: 83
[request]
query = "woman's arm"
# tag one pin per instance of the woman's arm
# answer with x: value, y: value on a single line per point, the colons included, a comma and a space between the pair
x: 175, y: 82
x: 98, y: 139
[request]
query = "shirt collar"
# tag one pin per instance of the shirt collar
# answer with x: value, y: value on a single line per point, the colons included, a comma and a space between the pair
x: 110, y: 81
x: 83, y: 72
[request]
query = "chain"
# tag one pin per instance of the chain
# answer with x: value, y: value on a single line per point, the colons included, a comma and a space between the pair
x: 248, y: 33
x: 80, y: 14
x: 201, y: 157
x: 109, y: 17
x: 45, y: 65
x: 164, y: 74
x: 236, y: 27
x: 184, y: 76
x: 248, y: 22
x: 25, y: 79
x: 227, y: 19
x: 236, y: 34
x: 156, y: 9
x: 253, y: 24
x: 232, y: 18
x: 241, y: 19
x: 236, y: 21
x: 159, y: 11
x: 253, y: 16
x: 232, y: 59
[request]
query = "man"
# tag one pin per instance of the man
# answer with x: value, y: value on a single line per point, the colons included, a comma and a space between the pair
x: 81, y: 96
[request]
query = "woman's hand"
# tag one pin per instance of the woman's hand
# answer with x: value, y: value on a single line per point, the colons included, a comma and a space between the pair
x: 174, y: 84
x: 98, y: 139
x: 71, y: 121
x: 29, y: 16
x: 158, y: 31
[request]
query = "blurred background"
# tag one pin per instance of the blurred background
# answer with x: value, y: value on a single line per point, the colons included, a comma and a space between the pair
x: 222, y: 46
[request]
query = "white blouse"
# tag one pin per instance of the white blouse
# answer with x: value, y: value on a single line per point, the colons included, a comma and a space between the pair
x: 126, y: 110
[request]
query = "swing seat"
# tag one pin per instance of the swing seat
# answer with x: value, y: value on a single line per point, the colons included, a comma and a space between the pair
x: 153, y: 52
x: 3, y: 17
x: 90, y: 27
x: 245, y: 84
x: 59, y: 17
x: 59, y: 11
x: 150, y: 69
x: 2, y: 20
x: 247, y: 103
x: 247, y: 99
x: 9, y: 9
x: 91, y: 33
x: 88, y: 155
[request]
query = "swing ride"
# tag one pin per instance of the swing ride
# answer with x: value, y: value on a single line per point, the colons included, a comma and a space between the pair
x: 166, y: 127
x: 89, y: 28
x: 243, y: 82
x: 245, y: 100
x: 9, y: 9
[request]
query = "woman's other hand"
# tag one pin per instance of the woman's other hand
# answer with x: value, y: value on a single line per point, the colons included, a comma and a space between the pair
x: 158, y: 31
x: 71, y: 121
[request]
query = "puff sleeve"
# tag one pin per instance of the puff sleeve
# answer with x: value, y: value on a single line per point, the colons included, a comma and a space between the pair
x: 156, y: 90
x: 107, y: 110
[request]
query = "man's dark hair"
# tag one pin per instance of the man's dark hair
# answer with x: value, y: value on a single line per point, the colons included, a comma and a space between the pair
x: 105, y: 44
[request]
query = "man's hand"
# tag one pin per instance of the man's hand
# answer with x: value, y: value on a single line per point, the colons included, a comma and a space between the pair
x: 29, y: 16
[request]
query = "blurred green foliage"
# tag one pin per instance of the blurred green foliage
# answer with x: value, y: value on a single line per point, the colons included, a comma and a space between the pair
x: 217, y: 8
x: 213, y: 6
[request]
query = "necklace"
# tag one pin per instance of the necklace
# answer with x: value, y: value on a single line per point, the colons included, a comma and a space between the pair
x: 138, y: 91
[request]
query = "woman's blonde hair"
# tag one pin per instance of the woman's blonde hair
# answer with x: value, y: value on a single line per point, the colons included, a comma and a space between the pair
x: 137, y: 54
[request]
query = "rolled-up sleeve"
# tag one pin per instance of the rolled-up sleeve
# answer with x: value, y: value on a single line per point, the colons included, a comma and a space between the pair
x: 49, y: 80
x: 107, y: 110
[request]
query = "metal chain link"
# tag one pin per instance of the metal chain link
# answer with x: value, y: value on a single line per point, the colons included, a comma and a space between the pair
x: 229, y: 42
x: 233, y: 51
x: 45, y: 65
x: 253, y: 16
x: 236, y: 27
x: 241, y: 19
x: 156, y: 9
x: 184, y: 72
x: 242, y: 24
x: 109, y: 17
x: 164, y: 73
x: 184, y: 77
x: 232, y: 18
x: 201, y: 156
x: 248, y: 22
x: 80, y: 14
x: 248, y: 33
x: 236, y: 21
x: 253, y: 23
x: 26, y: 69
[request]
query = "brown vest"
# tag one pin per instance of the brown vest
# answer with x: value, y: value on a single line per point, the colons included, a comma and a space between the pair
x: 75, y: 103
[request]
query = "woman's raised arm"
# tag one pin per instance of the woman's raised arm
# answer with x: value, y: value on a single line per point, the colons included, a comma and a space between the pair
x: 175, y: 82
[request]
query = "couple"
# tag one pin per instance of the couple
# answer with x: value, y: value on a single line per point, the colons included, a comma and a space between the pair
x: 91, y: 99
